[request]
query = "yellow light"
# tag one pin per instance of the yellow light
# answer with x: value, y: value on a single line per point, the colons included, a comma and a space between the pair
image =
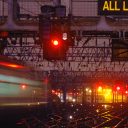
x: 107, y: 93
x: 87, y: 89
x: 97, y: 110
x: 90, y: 91
x: 105, y: 106
x: 99, y: 89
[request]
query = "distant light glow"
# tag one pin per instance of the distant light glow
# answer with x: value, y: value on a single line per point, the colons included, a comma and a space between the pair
x: 53, y: 91
x: 105, y: 106
x: 23, y: 86
x: 99, y: 89
x: 97, y: 110
x: 70, y: 117
x: 74, y: 100
x: 28, y: 104
x: 87, y: 89
x: 72, y: 105
x: 34, y: 91
x: 90, y: 91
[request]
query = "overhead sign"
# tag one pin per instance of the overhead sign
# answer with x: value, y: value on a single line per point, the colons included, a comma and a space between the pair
x: 112, y: 7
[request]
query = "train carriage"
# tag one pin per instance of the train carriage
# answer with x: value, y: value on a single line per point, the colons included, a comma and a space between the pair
x: 20, y: 85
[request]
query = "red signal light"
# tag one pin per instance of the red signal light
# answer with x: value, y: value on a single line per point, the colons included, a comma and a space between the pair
x: 11, y: 65
x: 118, y: 88
x: 55, y: 42
x: 126, y: 92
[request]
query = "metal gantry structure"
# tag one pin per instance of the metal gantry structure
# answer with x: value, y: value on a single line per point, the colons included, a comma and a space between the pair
x: 89, y: 60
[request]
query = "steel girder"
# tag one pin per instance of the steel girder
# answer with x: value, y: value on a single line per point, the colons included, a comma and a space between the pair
x: 90, y: 57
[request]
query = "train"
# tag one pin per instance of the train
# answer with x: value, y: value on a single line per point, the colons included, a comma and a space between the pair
x: 21, y: 85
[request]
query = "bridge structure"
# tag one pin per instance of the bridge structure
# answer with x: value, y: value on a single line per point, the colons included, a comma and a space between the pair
x: 89, y: 60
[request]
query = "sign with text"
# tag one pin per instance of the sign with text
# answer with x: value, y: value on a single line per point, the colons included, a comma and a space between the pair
x: 112, y: 7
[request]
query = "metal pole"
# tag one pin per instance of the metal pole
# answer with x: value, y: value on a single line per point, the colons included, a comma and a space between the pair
x: 117, y: 97
x: 64, y: 93
x: 113, y: 98
x: 92, y: 96
x: 3, y: 8
x: 122, y: 97
x: 70, y: 7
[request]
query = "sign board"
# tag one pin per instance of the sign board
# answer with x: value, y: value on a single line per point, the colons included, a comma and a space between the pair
x: 112, y: 7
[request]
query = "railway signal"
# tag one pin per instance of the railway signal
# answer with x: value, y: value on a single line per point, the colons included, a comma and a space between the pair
x: 54, y: 38
x: 53, y: 32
